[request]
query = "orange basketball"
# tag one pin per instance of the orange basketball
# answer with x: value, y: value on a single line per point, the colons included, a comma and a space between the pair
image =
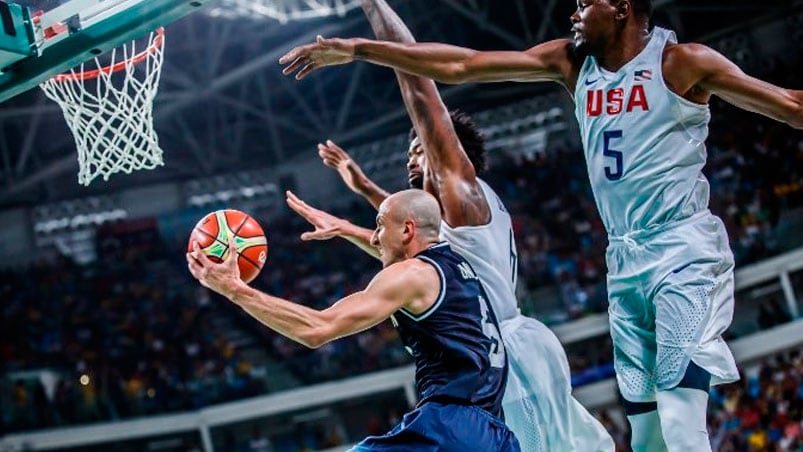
x: 212, y: 235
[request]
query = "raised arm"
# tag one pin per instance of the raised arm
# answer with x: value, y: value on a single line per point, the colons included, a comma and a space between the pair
x: 328, y: 226
x: 697, y: 72
x: 451, y: 173
x: 452, y: 64
x: 550, y: 61
x: 336, y: 158
x: 411, y: 284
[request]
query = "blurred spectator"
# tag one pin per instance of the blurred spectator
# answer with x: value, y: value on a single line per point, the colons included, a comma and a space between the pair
x: 770, y: 314
x: 763, y: 411
x: 259, y: 442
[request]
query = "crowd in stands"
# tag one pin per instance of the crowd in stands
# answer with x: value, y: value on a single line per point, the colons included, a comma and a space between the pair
x: 132, y: 334
x: 763, y: 411
x: 126, y: 336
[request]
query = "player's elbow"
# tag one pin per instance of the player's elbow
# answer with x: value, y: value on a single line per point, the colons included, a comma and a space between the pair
x: 316, y: 333
x: 453, y: 74
x: 314, y: 337
x: 792, y: 110
x: 796, y: 120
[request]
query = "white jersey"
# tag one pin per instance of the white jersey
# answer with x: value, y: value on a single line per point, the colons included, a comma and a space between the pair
x: 538, y: 402
x: 644, y: 144
x: 491, y: 251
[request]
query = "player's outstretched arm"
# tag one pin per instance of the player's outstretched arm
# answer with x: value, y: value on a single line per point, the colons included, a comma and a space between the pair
x: 713, y: 73
x: 410, y: 284
x: 451, y: 173
x: 550, y: 61
x: 336, y: 158
x: 328, y: 226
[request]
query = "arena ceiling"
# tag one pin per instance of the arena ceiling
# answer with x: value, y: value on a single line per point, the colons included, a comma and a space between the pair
x: 224, y: 106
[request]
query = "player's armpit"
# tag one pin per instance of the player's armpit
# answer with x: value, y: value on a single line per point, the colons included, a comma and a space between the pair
x: 462, y: 200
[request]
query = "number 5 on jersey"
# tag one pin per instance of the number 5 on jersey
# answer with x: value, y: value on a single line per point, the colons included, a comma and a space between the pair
x: 612, y: 173
x: 497, y: 352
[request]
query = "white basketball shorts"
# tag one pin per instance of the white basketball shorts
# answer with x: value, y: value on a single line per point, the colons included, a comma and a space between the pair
x: 671, y: 299
x: 538, y: 402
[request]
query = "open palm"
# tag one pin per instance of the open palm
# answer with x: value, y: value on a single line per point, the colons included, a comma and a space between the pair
x: 326, y: 225
x: 321, y: 53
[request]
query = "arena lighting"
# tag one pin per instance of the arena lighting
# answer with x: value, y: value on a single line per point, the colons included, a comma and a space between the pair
x: 245, y: 186
x: 283, y: 10
x: 235, y: 194
x: 76, y: 214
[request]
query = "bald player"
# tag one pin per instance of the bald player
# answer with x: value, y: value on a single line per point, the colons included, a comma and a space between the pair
x: 437, y: 303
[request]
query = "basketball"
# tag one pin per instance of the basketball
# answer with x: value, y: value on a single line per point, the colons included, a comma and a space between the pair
x: 212, y: 235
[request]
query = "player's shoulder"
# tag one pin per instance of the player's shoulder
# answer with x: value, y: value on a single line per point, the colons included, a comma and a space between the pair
x: 687, y: 53
x: 561, y: 45
x: 558, y: 52
x: 411, y: 282
x: 410, y: 272
x: 563, y: 58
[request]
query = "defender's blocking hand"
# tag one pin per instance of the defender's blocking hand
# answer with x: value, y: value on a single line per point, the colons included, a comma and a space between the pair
x: 326, y: 225
x: 322, y: 53
x: 336, y: 158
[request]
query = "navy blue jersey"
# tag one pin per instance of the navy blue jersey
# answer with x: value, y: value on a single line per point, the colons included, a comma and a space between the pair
x: 458, y: 351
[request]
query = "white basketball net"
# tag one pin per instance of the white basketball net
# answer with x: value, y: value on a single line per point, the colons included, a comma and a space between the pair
x: 110, y: 109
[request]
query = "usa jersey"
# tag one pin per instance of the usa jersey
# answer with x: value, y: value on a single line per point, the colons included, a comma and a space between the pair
x: 491, y: 251
x: 459, y: 355
x: 644, y: 145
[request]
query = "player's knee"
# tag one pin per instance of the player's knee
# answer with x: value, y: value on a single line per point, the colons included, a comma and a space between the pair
x: 695, y: 378
x: 681, y: 435
x: 636, y: 408
x: 645, y: 431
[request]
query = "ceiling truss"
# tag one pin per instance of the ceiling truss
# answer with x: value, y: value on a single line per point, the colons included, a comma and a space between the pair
x: 223, y: 103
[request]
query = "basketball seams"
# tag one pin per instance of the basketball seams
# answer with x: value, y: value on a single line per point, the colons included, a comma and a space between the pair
x: 247, y: 259
x: 236, y: 230
x: 220, y: 221
x: 240, y: 253
x: 206, y: 233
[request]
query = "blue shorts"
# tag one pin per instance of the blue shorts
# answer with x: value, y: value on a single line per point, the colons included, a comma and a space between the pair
x: 440, y: 427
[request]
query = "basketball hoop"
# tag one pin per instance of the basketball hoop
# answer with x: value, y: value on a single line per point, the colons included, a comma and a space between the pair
x: 109, y: 109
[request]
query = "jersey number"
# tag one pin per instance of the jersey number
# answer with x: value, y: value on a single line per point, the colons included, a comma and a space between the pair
x: 497, y: 352
x: 616, y: 172
x: 514, y: 259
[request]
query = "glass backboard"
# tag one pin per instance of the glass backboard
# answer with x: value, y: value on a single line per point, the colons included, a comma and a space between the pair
x: 42, y: 38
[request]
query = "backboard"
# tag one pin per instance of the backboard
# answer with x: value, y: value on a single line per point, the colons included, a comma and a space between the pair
x: 42, y: 38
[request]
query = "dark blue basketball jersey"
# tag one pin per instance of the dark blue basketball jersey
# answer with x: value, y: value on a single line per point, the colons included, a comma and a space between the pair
x: 458, y: 351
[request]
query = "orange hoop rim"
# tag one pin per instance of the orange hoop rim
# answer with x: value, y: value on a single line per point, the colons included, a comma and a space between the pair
x: 158, y: 41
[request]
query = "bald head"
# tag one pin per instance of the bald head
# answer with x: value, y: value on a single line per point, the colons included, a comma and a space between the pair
x: 416, y: 205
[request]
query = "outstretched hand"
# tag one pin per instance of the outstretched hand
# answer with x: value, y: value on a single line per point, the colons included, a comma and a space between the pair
x: 223, y: 277
x: 336, y: 158
x: 326, y: 225
x: 321, y: 53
